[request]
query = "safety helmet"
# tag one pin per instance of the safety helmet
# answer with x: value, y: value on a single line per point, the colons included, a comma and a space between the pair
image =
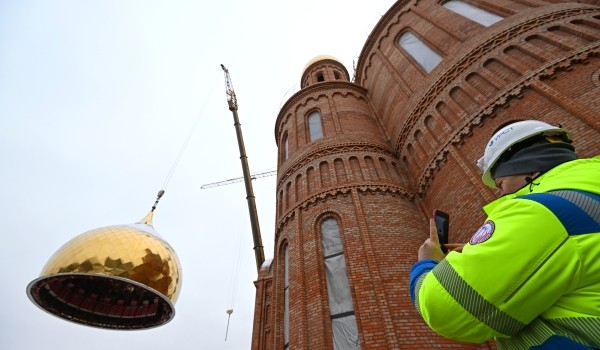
x: 508, y: 136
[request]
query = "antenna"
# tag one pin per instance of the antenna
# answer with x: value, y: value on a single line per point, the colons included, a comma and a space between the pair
x: 233, y: 107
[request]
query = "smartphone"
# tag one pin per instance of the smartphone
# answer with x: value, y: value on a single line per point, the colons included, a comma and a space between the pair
x: 442, y: 221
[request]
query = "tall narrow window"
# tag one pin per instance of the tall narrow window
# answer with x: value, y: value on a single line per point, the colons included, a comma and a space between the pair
x: 473, y: 13
x: 285, y: 147
x: 419, y: 51
x: 286, y: 300
x: 314, y: 126
x: 343, y: 320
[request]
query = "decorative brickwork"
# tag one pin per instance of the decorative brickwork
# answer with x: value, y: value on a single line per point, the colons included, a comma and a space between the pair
x: 398, y: 142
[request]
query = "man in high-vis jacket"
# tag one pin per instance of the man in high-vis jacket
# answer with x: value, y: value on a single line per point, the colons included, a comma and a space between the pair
x: 530, y: 275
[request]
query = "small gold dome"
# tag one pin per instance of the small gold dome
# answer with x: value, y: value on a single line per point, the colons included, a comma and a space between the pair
x: 317, y: 59
x: 116, y: 277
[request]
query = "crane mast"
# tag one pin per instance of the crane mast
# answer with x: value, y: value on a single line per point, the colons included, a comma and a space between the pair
x: 233, y: 107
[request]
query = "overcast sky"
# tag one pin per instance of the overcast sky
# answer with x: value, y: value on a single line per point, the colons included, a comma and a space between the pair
x: 97, y: 99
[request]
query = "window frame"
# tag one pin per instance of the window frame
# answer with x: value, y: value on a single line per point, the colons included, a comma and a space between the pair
x: 286, y: 297
x: 285, y: 147
x: 320, y: 124
x: 415, y: 54
x: 468, y: 10
x: 333, y: 249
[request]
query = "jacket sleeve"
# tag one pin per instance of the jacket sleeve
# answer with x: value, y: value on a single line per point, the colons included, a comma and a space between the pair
x: 418, y: 270
x: 498, y: 285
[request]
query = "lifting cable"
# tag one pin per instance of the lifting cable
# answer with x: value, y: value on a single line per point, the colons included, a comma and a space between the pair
x: 235, y: 271
x: 187, y: 139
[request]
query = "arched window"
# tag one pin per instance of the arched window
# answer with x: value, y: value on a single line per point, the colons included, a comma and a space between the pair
x: 286, y: 299
x: 343, y: 320
x: 284, y: 153
x: 473, y: 13
x: 419, y: 51
x: 315, y: 129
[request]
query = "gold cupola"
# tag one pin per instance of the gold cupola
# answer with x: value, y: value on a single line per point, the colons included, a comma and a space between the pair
x: 321, y: 69
x: 115, y: 277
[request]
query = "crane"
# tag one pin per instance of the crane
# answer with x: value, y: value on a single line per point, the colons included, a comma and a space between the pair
x: 238, y: 179
x: 233, y: 107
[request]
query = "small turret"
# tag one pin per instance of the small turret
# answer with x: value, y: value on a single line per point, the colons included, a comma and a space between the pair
x: 323, y: 68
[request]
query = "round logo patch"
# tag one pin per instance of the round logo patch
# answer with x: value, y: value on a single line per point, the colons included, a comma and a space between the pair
x: 484, y: 233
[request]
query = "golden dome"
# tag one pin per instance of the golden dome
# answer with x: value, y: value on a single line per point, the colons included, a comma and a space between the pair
x: 319, y: 58
x: 117, y: 277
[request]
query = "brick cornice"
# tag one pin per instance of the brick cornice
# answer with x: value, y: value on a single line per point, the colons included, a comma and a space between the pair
x: 312, y: 93
x: 380, y: 32
x: 326, y: 150
x: 321, y: 197
x: 548, y: 71
x: 469, y: 60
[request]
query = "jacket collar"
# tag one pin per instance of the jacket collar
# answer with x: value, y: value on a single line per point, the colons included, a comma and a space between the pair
x: 554, y: 179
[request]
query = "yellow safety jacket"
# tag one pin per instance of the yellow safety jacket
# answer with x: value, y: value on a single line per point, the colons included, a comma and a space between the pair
x: 530, y: 276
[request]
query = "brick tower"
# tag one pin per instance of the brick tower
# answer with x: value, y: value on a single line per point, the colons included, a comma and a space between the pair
x: 363, y: 163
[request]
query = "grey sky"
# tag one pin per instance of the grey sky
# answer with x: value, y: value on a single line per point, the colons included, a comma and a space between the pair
x: 97, y: 98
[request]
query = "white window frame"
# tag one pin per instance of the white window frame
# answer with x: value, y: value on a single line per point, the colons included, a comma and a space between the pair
x: 315, y: 128
x: 286, y: 298
x: 424, y: 55
x: 343, y: 320
x: 284, y: 152
x: 474, y: 13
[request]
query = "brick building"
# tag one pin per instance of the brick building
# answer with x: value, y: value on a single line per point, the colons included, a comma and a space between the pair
x: 364, y: 161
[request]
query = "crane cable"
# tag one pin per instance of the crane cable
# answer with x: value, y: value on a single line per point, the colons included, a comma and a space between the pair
x: 235, y: 272
x: 187, y: 139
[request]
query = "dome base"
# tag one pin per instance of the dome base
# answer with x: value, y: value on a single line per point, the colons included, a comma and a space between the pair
x: 101, y: 301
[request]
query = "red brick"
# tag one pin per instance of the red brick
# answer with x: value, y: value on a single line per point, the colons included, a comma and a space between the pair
x: 399, y: 142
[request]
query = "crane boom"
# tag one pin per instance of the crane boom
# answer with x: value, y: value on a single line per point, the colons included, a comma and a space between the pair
x: 237, y: 179
x: 233, y: 107
x: 231, y: 99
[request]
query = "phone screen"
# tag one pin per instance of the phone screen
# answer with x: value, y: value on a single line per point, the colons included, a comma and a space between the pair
x: 442, y: 221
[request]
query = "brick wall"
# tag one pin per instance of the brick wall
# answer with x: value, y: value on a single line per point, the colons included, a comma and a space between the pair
x: 399, y: 142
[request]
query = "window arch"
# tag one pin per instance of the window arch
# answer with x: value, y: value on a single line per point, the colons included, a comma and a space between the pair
x: 286, y: 299
x: 473, y: 13
x: 285, y: 149
x: 425, y: 57
x: 343, y: 320
x: 315, y: 129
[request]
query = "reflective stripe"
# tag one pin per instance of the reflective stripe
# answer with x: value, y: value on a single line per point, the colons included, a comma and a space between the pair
x: 582, y: 330
x: 474, y: 303
x: 578, y: 211
x: 417, y: 288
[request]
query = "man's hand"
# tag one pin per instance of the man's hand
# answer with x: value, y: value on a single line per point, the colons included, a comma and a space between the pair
x: 431, y: 247
x: 454, y: 247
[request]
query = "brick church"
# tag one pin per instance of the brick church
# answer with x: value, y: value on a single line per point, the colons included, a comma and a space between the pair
x: 364, y: 160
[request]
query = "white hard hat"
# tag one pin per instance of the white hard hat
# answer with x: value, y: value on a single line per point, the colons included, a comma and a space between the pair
x: 508, y: 136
